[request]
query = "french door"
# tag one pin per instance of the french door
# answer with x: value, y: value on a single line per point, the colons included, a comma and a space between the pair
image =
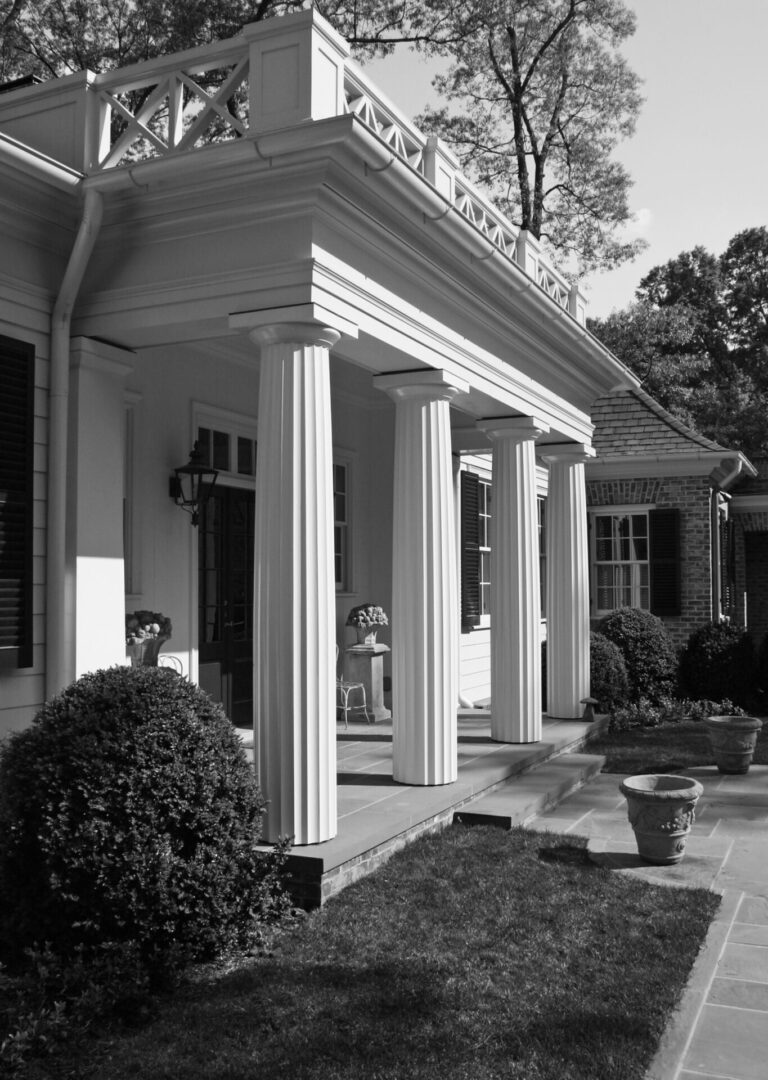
x: 225, y: 599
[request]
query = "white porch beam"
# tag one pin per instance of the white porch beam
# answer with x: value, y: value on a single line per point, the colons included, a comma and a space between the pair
x: 515, y: 591
x: 424, y: 592
x: 294, y: 592
x: 567, y: 581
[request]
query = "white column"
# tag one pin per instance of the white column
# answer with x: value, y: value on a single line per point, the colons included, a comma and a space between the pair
x: 515, y: 591
x: 294, y: 591
x: 424, y: 593
x: 567, y: 581
x: 95, y: 559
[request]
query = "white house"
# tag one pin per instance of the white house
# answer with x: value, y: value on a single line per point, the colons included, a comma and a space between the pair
x: 288, y: 272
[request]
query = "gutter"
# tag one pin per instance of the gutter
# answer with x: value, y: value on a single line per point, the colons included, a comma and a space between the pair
x: 60, y: 637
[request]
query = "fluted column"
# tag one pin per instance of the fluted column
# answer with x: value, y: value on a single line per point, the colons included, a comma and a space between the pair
x: 515, y: 591
x: 294, y: 592
x: 424, y: 590
x: 567, y: 581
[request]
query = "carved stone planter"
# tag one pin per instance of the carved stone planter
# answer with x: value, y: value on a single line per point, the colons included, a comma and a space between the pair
x: 733, y: 740
x: 661, y: 810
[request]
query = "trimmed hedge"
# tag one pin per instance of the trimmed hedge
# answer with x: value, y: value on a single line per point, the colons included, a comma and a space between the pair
x: 129, y: 813
x: 649, y: 654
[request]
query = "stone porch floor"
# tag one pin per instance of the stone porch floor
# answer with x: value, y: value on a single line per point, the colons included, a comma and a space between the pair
x: 377, y: 816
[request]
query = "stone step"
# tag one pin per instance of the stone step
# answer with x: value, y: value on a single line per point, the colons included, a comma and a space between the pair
x: 532, y: 792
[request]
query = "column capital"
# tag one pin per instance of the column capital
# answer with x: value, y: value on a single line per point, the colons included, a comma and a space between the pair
x: 566, y: 453
x: 294, y: 334
x: 425, y: 385
x: 514, y: 428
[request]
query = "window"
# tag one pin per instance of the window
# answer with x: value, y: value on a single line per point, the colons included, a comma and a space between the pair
x: 341, y: 525
x: 622, y: 571
x: 476, y: 515
x: 635, y: 560
x: 227, y: 451
x: 17, y: 418
x: 541, y: 511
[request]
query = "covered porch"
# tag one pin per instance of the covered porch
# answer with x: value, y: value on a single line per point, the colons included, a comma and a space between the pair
x: 261, y: 281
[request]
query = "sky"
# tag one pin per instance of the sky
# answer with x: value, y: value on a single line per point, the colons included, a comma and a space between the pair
x: 699, y: 156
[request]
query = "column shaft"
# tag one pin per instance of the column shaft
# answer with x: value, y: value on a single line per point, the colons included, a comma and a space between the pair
x: 567, y: 586
x: 425, y: 597
x: 515, y: 590
x: 294, y: 593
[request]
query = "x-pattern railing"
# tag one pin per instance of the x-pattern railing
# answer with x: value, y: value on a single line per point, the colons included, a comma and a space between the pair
x: 170, y: 108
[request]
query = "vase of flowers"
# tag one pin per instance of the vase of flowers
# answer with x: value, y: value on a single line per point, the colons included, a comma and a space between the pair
x: 145, y: 633
x: 367, y: 620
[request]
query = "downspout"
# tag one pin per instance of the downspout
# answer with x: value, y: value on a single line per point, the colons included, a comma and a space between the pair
x: 722, y: 485
x: 59, y: 585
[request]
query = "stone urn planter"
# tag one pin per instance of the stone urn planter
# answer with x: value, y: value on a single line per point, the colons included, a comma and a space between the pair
x: 661, y: 810
x: 733, y: 740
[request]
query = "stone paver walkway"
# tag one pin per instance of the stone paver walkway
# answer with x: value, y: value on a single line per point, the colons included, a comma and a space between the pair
x: 720, y: 1031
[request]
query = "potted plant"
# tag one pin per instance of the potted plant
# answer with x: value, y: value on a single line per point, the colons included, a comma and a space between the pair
x: 145, y: 632
x: 733, y: 739
x: 661, y: 811
x: 366, y: 619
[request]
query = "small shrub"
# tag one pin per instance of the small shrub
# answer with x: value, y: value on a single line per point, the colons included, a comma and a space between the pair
x: 718, y: 661
x: 129, y: 813
x: 607, y: 673
x: 668, y: 710
x: 648, y: 651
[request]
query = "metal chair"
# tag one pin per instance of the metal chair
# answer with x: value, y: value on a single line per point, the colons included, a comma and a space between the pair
x: 170, y: 661
x: 344, y: 689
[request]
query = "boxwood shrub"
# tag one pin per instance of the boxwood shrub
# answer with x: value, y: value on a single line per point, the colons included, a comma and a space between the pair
x: 718, y: 661
x: 129, y: 813
x: 649, y: 653
x: 607, y: 673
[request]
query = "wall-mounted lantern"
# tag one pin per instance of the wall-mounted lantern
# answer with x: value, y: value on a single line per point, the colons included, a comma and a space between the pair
x: 192, y: 484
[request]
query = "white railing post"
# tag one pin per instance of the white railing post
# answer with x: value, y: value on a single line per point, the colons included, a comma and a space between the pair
x: 440, y: 168
x: 296, y: 71
x: 577, y: 305
x: 528, y: 254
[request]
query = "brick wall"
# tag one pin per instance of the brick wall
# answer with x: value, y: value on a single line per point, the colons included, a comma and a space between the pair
x: 692, y: 496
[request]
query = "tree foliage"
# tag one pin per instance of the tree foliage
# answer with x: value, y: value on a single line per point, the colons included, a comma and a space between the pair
x: 698, y: 338
x: 58, y: 37
x: 538, y: 97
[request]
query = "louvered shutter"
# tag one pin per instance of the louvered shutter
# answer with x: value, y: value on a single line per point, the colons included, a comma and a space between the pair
x: 17, y: 364
x: 664, y: 537
x: 470, y: 550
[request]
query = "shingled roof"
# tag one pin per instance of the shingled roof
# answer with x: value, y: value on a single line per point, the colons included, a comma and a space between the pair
x: 629, y: 422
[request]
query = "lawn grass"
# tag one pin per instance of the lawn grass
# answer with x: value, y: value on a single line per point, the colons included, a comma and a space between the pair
x: 473, y: 954
x: 668, y: 748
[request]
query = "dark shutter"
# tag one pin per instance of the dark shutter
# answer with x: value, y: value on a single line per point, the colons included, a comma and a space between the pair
x: 470, y: 550
x: 664, y: 528
x: 17, y: 417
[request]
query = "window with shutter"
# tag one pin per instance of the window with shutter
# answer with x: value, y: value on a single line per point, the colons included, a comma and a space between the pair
x: 470, y: 550
x: 17, y: 366
x: 636, y: 560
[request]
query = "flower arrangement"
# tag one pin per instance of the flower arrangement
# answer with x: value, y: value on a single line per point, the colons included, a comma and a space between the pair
x: 143, y: 626
x: 367, y: 615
